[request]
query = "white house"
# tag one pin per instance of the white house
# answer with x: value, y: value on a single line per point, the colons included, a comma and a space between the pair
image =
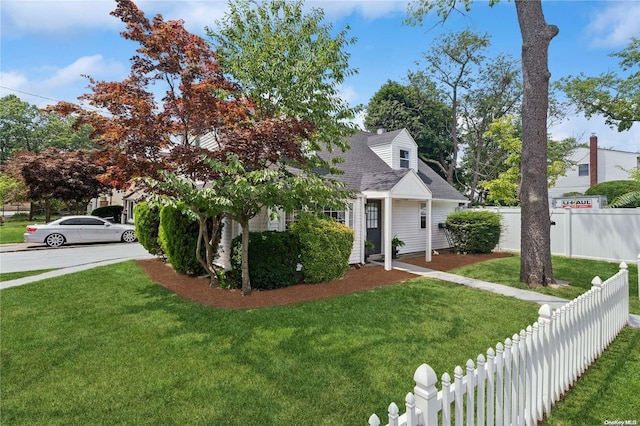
x: 594, y: 165
x: 397, y: 194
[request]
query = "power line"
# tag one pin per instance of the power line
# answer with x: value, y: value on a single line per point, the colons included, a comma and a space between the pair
x: 45, y: 97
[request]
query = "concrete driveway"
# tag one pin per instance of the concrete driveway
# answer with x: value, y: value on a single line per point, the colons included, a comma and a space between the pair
x: 64, y: 259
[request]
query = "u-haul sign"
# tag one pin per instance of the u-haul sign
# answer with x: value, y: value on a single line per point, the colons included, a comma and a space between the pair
x: 595, y: 202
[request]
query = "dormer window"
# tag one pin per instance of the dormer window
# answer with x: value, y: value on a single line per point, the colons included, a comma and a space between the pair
x: 404, y: 159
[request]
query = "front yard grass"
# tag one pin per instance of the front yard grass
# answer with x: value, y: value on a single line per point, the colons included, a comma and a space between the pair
x: 108, y: 346
x: 578, y: 273
x: 8, y: 276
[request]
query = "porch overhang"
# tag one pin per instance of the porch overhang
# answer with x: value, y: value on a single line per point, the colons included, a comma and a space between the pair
x: 409, y: 187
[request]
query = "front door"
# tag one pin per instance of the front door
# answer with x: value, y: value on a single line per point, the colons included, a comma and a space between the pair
x: 373, y: 218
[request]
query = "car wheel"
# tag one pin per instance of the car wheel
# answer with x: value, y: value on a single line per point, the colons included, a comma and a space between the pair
x: 128, y: 236
x: 54, y: 240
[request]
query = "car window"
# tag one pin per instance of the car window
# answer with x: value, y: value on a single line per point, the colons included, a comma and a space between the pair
x: 91, y: 221
x: 72, y: 221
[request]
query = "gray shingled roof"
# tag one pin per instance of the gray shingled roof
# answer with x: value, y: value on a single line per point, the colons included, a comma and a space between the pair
x: 365, y: 171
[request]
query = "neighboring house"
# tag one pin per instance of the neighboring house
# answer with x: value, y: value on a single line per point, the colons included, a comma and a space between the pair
x: 594, y: 165
x: 396, y: 194
x: 114, y: 198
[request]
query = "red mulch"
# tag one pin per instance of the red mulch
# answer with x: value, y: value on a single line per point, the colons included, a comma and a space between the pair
x: 198, y: 289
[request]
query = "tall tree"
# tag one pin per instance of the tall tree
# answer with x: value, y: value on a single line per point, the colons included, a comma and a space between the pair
x: 452, y: 62
x: 68, y: 176
x: 535, y: 266
x: 615, y: 97
x: 291, y: 64
x: 505, y: 133
x: 496, y: 93
x: 417, y: 107
x: 24, y: 127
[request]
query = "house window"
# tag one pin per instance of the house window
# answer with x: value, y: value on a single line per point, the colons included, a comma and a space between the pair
x: 423, y: 215
x: 372, y: 215
x: 583, y: 170
x: 404, y: 159
x: 342, y: 216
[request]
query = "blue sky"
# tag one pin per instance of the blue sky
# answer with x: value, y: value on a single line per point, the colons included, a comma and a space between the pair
x: 47, y: 46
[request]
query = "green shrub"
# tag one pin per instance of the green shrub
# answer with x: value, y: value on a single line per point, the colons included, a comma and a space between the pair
x: 114, y: 212
x: 273, y: 259
x: 474, y: 231
x: 615, y: 188
x: 325, y: 247
x: 147, y: 222
x: 178, y: 236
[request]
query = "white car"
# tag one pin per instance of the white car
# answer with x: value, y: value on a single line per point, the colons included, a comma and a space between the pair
x: 79, y: 229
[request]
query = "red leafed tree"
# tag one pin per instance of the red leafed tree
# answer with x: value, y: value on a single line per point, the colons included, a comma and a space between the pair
x: 143, y: 134
x: 68, y: 176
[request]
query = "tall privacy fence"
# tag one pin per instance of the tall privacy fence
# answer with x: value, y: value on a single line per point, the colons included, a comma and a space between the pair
x: 602, y: 234
x: 518, y: 382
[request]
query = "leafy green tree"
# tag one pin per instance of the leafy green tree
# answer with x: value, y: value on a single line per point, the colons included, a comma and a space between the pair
x: 452, y: 63
x: 497, y: 92
x: 24, y: 127
x: 290, y: 62
x: 615, y: 97
x: 415, y: 106
x: 505, y: 188
x: 535, y: 265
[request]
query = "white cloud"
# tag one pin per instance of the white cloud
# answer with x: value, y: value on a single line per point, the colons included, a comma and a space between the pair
x: 369, y: 9
x: 614, y: 25
x: 61, y: 83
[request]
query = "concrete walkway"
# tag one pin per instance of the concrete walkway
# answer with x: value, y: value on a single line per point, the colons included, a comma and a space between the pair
x: 526, y: 295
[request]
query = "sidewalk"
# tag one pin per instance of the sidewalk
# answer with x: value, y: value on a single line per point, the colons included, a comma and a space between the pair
x: 526, y: 295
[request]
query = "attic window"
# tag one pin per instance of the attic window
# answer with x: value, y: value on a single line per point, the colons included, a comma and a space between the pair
x: 404, y: 159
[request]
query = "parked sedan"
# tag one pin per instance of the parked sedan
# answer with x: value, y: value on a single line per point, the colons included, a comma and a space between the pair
x: 79, y: 229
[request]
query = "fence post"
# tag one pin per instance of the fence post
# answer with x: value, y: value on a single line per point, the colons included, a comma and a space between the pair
x: 638, y: 275
x: 544, y: 321
x: 597, y: 295
x: 426, y: 393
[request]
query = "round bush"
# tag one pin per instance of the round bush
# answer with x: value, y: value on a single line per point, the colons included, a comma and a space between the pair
x: 147, y: 222
x: 474, y: 231
x: 273, y: 259
x: 613, y: 189
x: 325, y: 248
x: 179, y: 238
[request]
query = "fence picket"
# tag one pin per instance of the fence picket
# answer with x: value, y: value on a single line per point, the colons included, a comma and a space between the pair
x: 519, y: 382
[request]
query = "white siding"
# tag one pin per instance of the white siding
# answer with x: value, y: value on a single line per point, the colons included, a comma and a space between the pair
x: 225, y: 244
x: 609, y: 163
x: 357, y: 255
x: 439, y: 212
x: 406, y: 225
x: 404, y: 141
x: 384, y: 152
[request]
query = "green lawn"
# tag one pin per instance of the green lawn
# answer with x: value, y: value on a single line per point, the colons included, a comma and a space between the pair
x: 578, y: 273
x: 8, y: 276
x: 107, y: 346
x: 12, y: 229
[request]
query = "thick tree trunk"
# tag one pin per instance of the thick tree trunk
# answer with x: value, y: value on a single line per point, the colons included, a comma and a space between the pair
x: 535, y: 240
x: 246, y: 283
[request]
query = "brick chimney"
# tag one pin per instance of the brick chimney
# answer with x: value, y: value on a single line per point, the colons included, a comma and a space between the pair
x: 593, y: 159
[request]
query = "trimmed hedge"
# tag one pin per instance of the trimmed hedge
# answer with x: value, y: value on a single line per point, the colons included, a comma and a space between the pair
x: 325, y: 247
x: 613, y: 189
x: 114, y: 212
x: 147, y: 222
x: 273, y: 259
x: 178, y: 237
x: 474, y: 231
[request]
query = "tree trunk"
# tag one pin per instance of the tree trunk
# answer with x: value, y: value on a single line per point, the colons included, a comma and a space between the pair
x: 246, y: 283
x: 535, y: 240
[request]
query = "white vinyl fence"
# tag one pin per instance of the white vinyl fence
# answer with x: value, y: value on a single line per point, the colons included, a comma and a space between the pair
x: 601, y: 234
x: 518, y: 382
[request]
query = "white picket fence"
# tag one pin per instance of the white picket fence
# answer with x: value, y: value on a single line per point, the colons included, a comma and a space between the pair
x: 519, y: 381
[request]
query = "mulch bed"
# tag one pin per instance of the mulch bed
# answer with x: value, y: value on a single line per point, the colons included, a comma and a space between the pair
x: 197, y: 289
